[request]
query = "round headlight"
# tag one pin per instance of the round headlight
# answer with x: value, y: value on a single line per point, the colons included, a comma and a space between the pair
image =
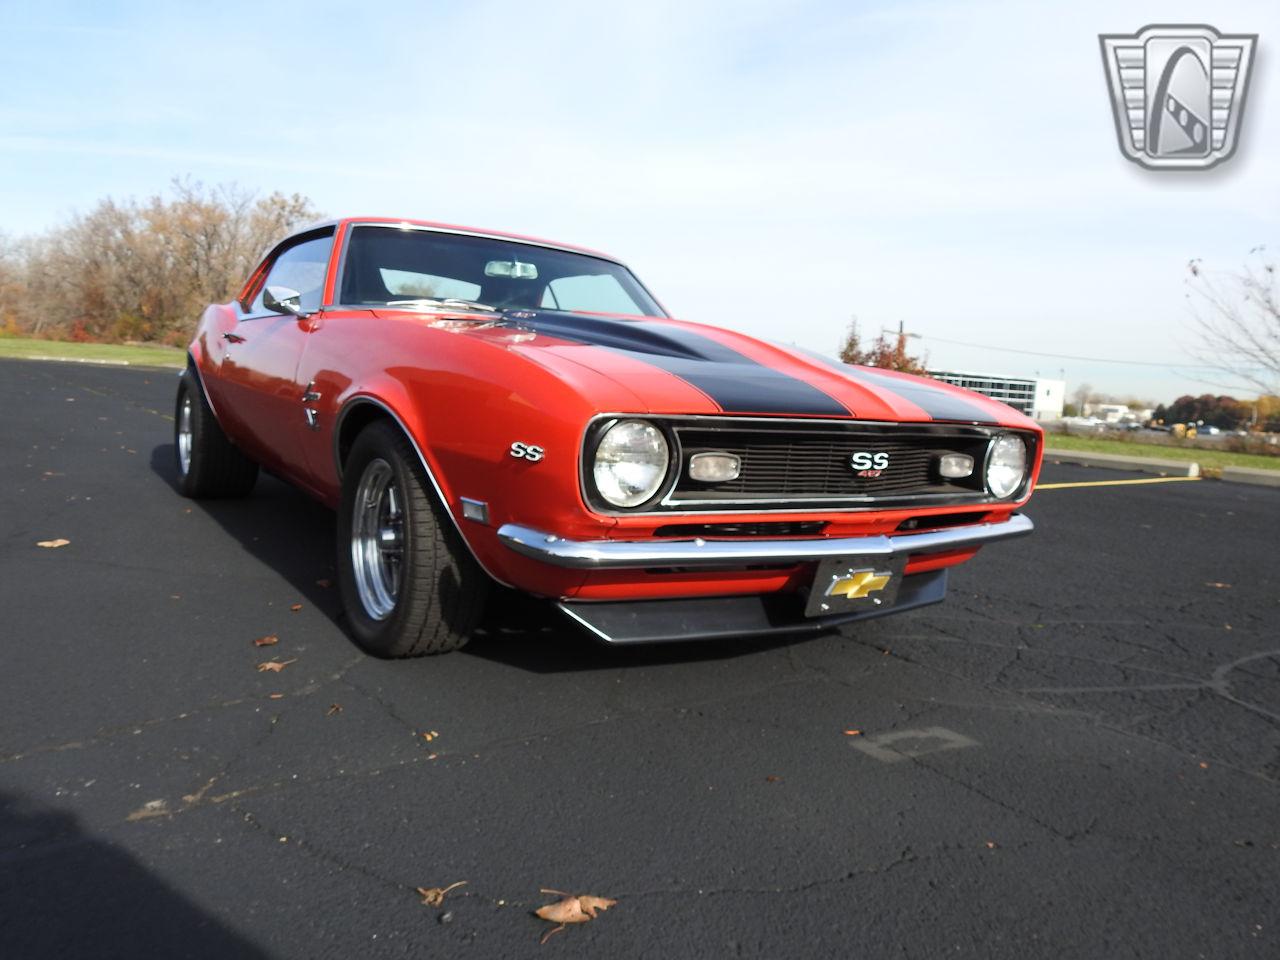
x: 1006, y: 465
x: 631, y: 462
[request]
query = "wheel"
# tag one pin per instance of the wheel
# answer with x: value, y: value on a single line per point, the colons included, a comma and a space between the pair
x: 409, y: 584
x: 209, y: 465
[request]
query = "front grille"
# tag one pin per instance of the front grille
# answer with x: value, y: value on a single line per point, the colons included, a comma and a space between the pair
x: 814, y: 464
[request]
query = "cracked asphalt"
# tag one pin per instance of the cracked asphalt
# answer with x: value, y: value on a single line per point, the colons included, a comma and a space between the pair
x: 1078, y: 755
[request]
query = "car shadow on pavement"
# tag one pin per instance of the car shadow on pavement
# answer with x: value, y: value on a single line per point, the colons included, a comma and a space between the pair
x: 294, y: 535
x: 278, y: 525
x: 68, y: 894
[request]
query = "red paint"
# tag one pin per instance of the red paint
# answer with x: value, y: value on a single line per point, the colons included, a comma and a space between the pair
x: 465, y: 394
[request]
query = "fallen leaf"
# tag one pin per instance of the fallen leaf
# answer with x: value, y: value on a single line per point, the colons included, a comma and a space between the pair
x: 296, y: 607
x: 772, y: 779
x: 853, y: 733
x: 274, y: 666
x: 991, y: 844
x: 1217, y: 585
x: 430, y: 735
x: 570, y: 909
x: 333, y: 708
x: 152, y: 808
x: 324, y: 584
x: 1203, y: 765
x: 434, y: 896
x: 52, y: 544
x: 276, y: 696
x: 270, y: 640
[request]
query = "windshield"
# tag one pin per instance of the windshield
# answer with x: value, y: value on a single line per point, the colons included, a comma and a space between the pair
x: 398, y: 266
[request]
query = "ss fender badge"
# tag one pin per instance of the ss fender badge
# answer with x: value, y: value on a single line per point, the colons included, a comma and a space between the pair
x: 527, y: 451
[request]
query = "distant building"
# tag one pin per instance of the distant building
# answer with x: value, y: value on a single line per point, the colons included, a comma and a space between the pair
x: 1038, y: 399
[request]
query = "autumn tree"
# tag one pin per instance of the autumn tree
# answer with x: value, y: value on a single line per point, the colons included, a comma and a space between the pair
x: 887, y: 352
x: 1237, y: 318
x: 10, y: 285
x: 130, y: 270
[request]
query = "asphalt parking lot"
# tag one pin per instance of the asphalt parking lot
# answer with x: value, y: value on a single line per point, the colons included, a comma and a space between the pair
x: 1078, y: 755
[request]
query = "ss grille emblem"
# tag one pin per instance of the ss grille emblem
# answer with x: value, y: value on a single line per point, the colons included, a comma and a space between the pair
x: 865, y: 463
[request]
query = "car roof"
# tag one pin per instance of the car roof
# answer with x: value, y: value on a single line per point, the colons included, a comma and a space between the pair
x: 451, y: 228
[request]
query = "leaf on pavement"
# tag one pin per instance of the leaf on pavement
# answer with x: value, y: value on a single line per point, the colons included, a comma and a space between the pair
x: 270, y: 640
x: 1215, y: 584
x: 570, y: 909
x: 52, y: 544
x: 274, y: 666
x: 295, y: 607
x: 333, y: 709
x: 434, y: 896
x: 853, y: 733
x: 430, y: 735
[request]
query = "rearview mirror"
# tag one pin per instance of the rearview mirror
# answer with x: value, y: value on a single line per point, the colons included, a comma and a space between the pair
x: 511, y: 268
x: 282, y: 300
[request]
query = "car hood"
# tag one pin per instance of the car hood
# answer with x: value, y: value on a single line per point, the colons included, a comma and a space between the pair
x: 674, y: 366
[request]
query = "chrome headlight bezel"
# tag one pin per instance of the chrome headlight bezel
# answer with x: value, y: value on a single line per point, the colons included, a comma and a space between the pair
x: 614, y: 499
x: 1002, y: 455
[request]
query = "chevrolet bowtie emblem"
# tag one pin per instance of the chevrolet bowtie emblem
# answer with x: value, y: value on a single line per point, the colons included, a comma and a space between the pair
x: 859, y: 584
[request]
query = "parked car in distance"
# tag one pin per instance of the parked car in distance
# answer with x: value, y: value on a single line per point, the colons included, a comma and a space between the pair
x: 485, y: 410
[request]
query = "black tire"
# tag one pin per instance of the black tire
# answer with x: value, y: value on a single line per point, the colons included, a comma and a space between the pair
x: 431, y: 598
x: 214, y: 466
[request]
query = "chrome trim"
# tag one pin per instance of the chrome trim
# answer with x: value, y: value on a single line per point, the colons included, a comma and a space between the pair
x: 435, y: 484
x: 700, y: 552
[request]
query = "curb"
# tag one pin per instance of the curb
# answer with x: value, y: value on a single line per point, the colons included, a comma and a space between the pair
x: 1112, y: 461
x: 1261, y: 478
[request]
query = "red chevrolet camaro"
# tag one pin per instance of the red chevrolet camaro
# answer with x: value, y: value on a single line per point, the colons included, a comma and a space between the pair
x: 485, y: 409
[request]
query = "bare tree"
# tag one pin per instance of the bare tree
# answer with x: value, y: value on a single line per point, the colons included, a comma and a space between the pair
x: 1237, y: 317
x: 1081, y: 395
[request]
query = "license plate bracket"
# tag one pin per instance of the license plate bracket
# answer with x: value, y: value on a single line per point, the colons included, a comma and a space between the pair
x: 854, y: 584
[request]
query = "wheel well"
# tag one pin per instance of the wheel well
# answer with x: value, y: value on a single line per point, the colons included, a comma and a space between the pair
x: 353, y: 422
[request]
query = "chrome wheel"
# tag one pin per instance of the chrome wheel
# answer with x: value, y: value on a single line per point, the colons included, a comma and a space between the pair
x: 184, y: 435
x: 377, y: 539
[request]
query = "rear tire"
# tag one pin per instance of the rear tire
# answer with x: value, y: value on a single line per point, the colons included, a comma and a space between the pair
x: 409, y: 584
x: 209, y: 465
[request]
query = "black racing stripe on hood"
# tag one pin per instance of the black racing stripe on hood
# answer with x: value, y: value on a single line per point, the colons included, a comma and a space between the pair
x: 735, y: 382
x: 939, y: 404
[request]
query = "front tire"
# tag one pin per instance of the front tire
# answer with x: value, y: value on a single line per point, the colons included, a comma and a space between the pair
x: 209, y: 465
x: 409, y: 584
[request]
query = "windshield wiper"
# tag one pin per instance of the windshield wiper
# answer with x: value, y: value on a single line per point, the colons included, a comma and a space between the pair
x: 451, y: 302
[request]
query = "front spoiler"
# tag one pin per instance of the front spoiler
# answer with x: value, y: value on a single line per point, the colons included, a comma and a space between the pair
x: 699, y: 552
x: 625, y: 622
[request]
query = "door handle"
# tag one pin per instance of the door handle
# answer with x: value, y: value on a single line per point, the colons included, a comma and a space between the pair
x: 233, y: 338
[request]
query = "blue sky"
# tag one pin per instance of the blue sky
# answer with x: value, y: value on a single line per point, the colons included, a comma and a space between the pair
x: 773, y: 168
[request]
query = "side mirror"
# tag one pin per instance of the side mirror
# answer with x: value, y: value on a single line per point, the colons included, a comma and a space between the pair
x: 283, y: 300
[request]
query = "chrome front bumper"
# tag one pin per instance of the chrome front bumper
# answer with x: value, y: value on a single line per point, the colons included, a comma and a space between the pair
x: 699, y: 552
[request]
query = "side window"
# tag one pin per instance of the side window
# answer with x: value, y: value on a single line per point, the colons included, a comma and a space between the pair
x: 302, y: 268
x: 598, y: 293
